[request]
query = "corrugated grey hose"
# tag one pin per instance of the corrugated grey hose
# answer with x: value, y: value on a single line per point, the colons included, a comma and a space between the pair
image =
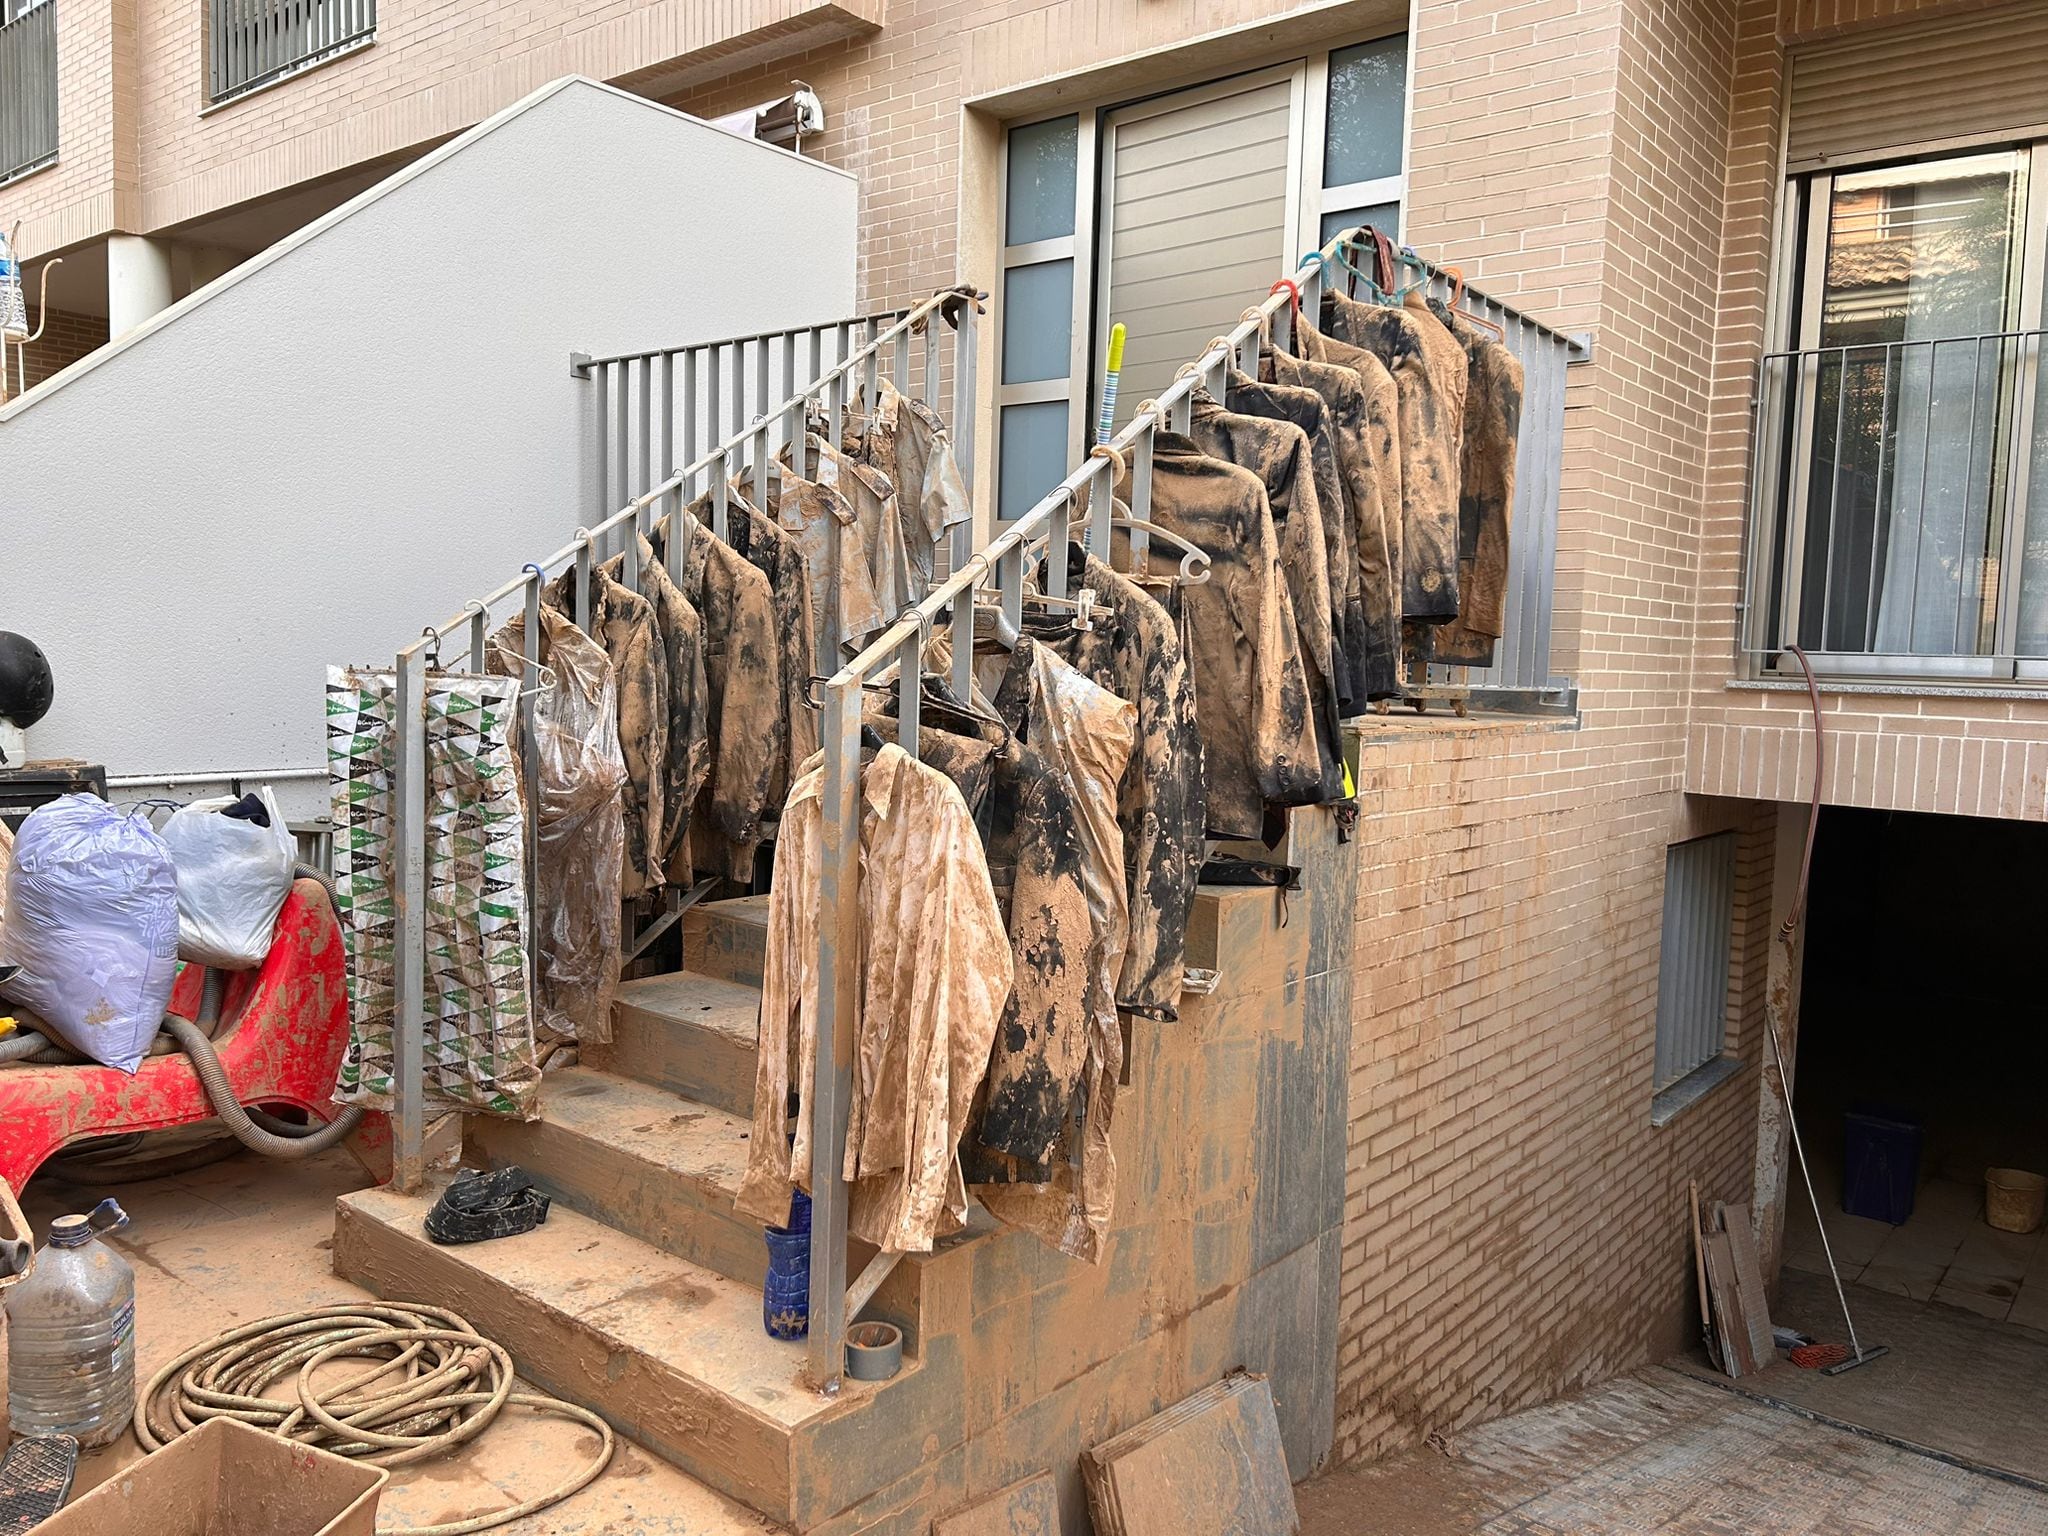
x: 253, y: 1128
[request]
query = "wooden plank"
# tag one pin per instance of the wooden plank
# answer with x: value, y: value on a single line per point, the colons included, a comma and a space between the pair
x: 1211, y: 1465
x: 1730, y: 1327
x: 1027, y: 1508
x: 1699, y: 1267
x: 1749, y: 1278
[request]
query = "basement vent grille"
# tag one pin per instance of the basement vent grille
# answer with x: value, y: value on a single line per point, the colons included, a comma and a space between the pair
x: 1692, y: 967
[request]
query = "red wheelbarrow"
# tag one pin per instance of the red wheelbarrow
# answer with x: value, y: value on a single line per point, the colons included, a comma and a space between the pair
x: 280, y: 1037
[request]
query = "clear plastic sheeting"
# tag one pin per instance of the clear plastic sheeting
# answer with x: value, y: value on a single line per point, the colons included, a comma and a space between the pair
x: 92, y: 920
x: 577, y: 808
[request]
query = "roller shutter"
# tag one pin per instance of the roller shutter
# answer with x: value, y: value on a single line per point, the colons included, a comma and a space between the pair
x: 1200, y: 191
x: 1860, y: 97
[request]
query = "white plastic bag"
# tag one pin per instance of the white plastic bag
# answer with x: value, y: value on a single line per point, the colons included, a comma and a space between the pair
x: 233, y: 877
x: 92, y: 920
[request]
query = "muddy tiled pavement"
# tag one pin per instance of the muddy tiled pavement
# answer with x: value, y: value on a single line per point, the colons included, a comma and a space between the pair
x: 1660, y: 1452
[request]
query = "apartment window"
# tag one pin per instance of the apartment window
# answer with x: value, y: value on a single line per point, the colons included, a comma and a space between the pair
x: 254, y: 43
x: 28, y: 86
x: 1899, y: 483
x: 1167, y: 215
x: 1692, y: 969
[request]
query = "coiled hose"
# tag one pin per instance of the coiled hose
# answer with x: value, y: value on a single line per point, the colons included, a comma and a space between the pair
x: 437, y: 1384
x: 253, y: 1128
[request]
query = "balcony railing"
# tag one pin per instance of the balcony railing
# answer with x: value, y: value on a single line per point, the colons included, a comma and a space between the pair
x: 1899, y: 509
x: 252, y: 43
x: 28, y: 88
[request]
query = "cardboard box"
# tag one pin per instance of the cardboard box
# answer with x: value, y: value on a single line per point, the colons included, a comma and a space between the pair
x: 226, y: 1479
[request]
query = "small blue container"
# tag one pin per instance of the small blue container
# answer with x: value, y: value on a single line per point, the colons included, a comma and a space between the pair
x: 786, y: 1289
x: 1881, y: 1163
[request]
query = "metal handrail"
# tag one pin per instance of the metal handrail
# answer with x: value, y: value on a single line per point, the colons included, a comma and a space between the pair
x: 715, y: 467
x: 1090, y: 486
x: 1783, y: 497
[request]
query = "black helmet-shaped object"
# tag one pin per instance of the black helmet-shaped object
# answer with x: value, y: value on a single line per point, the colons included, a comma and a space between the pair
x: 26, y: 687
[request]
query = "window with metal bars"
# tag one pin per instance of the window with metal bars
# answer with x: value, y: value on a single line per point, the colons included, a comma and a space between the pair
x: 28, y: 86
x: 254, y: 43
x: 1693, y: 962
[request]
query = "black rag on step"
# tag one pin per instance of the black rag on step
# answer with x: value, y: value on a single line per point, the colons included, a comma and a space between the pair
x: 485, y: 1205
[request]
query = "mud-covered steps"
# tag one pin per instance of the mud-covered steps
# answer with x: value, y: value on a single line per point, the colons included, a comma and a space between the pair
x: 672, y: 1353
x: 727, y: 939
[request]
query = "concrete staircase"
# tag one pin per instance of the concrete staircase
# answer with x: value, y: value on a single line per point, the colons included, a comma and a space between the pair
x: 640, y: 1296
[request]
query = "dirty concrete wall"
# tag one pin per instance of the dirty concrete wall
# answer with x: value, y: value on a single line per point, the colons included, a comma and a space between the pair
x: 1229, y: 1143
x: 341, y: 442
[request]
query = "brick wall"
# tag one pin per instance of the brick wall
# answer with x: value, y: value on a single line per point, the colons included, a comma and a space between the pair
x: 66, y: 338
x: 84, y: 192
x: 1516, y: 1224
x: 1959, y: 752
x: 140, y: 153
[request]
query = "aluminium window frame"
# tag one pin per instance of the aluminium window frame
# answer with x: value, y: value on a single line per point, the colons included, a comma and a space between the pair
x: 1782, y: 449
x: 1081, y: 390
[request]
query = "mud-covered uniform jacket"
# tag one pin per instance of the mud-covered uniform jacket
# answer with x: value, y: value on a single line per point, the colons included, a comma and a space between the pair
x: 1252, y: 700
x: 1363, y: 408
x: 1430, y: 371
x: 1486, y: 497
x: 934, y: 975
x: 1133, y: 649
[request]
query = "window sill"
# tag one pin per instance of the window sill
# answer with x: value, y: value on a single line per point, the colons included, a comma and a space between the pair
x: 27, y: 171
x: 1691, y: 1088
x: 290, y: 73
x: 1896, y: 688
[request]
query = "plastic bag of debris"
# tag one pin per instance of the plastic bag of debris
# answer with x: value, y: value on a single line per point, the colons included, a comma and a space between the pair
x: 234, y: 860
x: 92, y: 920
x: 579, y: 828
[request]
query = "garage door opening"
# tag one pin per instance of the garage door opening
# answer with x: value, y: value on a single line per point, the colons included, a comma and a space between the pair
x: 1922, y: 1062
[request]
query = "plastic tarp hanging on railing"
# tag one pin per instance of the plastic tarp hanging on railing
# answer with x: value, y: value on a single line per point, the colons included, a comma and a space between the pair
x: 477, y: 1040
x: 578, y: 808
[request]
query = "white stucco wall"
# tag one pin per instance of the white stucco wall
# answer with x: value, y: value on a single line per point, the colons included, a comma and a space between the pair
x: 374, y: 421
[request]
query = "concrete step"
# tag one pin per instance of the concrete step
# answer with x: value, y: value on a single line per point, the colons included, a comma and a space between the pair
x: 671, y: 1353
x: 689, y: 1033
x: 727, y: 939
x: 638, y: 1158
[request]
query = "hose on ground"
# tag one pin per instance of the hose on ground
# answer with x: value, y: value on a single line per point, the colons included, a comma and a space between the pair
x: 435, y: 1384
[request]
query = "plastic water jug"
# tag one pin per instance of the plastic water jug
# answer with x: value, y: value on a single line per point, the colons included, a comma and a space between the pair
x: 71, y: 1335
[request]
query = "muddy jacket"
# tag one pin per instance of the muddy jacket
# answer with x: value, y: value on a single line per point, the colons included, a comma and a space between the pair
x: 1251, y: 686
x: 747, y: 714
x: 1044, y: 1119
x: 873, y: 497
x: 1304, y: 408
x: 1278, y: 453
x: 689, y: 749
x: 1486, y: 496
x: 1134, y: 651
x: 842, y: 595
x: 934, y: 974
x: 905, y: 439
x: 622, y: 621
x: 1363, y: 408
x: 778, y: 557
x: 1430, y: 372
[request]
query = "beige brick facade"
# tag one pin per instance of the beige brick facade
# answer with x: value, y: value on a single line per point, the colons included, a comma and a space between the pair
x: 1514, y: 1224
x: 1957, y: 751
